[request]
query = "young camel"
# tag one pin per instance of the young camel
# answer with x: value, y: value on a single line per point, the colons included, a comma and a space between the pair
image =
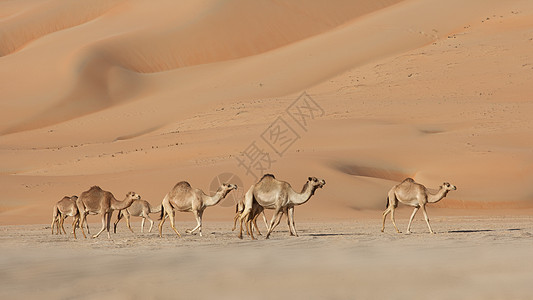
x: 413, y: 194
x: 252, y: 217
x: 182, y: 197
x: 64, y: 208
x: 139, y: 208
x: 278, y: 195
x: 97, y: 201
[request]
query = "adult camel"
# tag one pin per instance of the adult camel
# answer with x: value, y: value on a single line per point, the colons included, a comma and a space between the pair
x: 278, y: 195
x: 416, y: 195
x: 182, y: 197
x: 97, y: 201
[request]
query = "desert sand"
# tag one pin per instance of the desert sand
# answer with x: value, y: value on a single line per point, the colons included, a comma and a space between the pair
x: 136, y: 96
x: 468, y: 258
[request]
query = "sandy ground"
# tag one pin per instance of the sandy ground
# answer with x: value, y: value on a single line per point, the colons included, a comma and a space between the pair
x: 469, y: 258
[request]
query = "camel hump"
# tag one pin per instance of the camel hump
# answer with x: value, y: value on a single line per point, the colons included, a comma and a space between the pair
x: 182, y: 185
x: 270, y: 176
x: 180, y: 188
x: 409, y: 179
x: 93, y: 190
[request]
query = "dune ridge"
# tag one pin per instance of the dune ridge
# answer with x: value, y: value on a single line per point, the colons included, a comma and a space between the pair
x: 21, y: 29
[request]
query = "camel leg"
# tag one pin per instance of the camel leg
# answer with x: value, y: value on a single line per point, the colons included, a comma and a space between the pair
x: 54, y: 220
x: 385, y: 213
x: 83, y: 216
x: 76, y: 219
x: 198, y: 216
x: 59, y: 231
x: 289, y: 224
x: 151, y: 222
x: 103, y: 226
x: 249, y: 226
x: 59, y: 225
x: 249, y: 229
x: 276, y: 217
x: 56, y: 225
x: 63, y: 217
x: 427, y: 219
x: 201, y: 217
x: 237, y: 216
x: 290, y: 216
x: 411, y: 219
x: 255, y: 224
x: 160, y: 226
x: 392, y: 219
x: 128, y: 221
x: 171, y: 215
x: 119, y: 217
x: 265, y: 220
x: 243, y: 218
x: 61, y: 222
x: 248, y: 205
x: 109, y: 215
x: 142, y: 224
x: 87, y: 225
x: 198, y: 222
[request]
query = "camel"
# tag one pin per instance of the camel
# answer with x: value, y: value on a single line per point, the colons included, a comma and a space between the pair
x: 413, y: 194
x: 182, y: 197
x: 252, y: 217
x: 278, y: 195
x: 139, y: 208
x: 97, y: 201
x: 64, y: 208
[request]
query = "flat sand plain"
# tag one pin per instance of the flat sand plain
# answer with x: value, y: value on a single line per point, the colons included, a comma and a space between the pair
x: 476, y: 257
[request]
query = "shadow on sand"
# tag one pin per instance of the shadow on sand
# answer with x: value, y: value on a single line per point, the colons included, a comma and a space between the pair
x: 333, y: 234
x: 481, y: 230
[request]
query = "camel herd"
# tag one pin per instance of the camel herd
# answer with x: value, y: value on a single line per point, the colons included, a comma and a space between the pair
x: 267, y: 193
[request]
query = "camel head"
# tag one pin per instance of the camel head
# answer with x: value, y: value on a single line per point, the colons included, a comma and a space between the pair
x: 316, y: 182
x: 448, y: 186
x: 227, y: 187
x: 133, y: 195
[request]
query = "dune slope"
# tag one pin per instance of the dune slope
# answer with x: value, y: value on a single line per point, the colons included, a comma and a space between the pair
x: 119, y: 94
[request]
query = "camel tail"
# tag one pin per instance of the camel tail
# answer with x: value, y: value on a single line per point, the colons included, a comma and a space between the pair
x: 387, y: 205
x: 162, y: 215
x: 55, y: 212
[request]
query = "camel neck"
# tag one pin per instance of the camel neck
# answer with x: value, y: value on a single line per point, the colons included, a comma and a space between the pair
x: 304, y: 196
x: 434, y: 198
x: 216, y: 198
x: 118, y: 205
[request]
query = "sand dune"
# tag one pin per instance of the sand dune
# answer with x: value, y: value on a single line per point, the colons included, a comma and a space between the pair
x: 119, y: 94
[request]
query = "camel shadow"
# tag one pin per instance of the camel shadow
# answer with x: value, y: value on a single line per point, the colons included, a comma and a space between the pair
x: 333, y: 234
x: 482, y: 230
